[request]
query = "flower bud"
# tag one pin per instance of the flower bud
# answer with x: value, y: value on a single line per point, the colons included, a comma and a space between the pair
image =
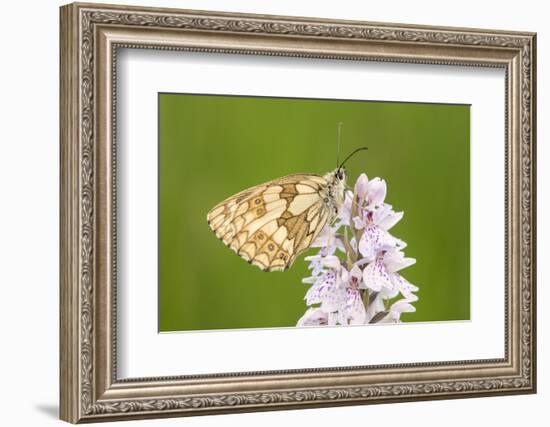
x: 376, y: 192
x: 361, y: 186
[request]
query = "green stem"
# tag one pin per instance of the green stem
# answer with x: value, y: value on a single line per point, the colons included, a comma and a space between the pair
x: 366, y: 299
x: 351, y: 256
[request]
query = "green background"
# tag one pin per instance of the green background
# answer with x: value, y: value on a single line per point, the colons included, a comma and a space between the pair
x: 211, y: 147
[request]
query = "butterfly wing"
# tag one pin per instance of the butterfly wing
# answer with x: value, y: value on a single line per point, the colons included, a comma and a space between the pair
x: 271, y: 224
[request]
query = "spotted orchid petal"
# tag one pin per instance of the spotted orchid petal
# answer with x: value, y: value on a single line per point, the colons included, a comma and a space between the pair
x: 355, y: 278
x: 391, y: 290
x: 404, y: 287
x: 333, y: 298
x: 402, y: 306
x: 385, y: 218
x: 310, y: 280
x: 355, y: 309
x: 395, y: 260
x: 332, y: 261
x: 374, y: 240
x: 396, y: 309
x: 328, y: 240
x: 316, y: 263
x: 313, y: 294
x: 313, y: 317
x: 376, y: 277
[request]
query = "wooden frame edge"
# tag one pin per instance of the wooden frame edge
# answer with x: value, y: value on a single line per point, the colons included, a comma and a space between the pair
x: 80, y: 401
x: 69, y: 160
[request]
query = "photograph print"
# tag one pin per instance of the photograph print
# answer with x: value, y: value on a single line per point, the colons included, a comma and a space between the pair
x: 289, y: 212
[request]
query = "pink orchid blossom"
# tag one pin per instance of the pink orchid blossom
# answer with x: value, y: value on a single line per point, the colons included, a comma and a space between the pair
x: 357, y: 281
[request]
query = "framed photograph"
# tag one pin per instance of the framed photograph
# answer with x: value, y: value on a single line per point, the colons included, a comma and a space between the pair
x: 266, y: 212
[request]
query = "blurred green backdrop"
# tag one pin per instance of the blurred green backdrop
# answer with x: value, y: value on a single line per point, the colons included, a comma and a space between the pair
x: 211, y: 147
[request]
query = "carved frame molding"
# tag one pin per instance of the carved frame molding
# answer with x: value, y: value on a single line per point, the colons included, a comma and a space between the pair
x: 90, y: 37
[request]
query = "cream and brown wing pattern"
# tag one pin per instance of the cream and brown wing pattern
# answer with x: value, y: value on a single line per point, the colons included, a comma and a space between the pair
x: 271, y: 224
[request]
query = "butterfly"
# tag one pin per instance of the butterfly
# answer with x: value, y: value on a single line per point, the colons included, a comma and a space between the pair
x: 270, y: 224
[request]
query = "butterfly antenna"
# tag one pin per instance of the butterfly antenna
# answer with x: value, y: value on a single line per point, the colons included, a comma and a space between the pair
x: 352, y: 154
x: 340, y: 124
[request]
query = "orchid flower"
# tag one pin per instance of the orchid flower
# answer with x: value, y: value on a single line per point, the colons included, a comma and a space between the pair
x: 398, y: 307
x: 355, y: 282
x: 328, y: 240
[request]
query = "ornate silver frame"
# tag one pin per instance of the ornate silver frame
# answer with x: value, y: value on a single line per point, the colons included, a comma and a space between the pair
x: 90, y: 36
